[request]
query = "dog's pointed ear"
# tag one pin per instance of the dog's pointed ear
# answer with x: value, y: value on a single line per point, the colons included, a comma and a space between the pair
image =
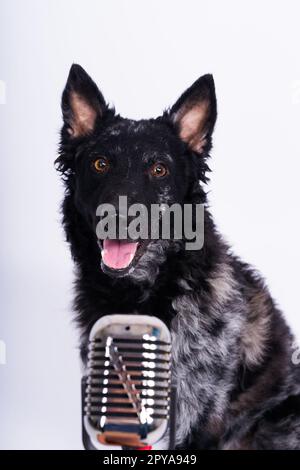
x: 195, y: 114
x: 82, y: 103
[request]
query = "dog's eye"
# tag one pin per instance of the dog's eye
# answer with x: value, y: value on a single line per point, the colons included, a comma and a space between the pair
x: 101, y: 165
x: 158, y: 170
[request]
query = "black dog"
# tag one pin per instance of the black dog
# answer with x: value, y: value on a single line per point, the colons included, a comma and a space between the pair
x: 237, y: 385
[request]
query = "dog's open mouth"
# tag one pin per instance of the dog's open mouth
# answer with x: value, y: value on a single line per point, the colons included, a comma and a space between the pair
x: 119, y: 256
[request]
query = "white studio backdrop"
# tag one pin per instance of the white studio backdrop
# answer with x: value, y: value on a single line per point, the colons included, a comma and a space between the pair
x: 142, y: 55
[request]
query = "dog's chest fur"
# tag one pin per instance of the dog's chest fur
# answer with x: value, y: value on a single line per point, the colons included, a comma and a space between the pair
x: 230, y: 348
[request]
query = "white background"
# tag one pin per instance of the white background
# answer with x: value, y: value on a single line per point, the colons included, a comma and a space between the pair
x: 143, y: 55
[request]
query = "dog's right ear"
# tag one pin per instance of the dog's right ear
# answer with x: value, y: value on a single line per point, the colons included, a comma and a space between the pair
x: 82, y: 103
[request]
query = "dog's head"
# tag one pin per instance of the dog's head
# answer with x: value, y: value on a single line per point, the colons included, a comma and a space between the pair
x: 155, y: 161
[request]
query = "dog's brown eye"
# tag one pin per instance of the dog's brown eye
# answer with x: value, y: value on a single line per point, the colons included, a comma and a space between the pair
x: 101, y: 165
x: 158, y: 170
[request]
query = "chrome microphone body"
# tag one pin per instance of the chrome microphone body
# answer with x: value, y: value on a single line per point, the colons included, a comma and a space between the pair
x: 127, y: 397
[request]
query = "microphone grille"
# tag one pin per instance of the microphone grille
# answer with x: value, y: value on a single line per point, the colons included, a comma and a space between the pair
x: 128, y: 381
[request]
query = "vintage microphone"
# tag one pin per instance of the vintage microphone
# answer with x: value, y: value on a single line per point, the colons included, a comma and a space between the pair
x: 128, y: 401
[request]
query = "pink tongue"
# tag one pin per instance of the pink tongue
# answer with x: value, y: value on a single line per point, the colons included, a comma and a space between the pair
x: 118, y: 254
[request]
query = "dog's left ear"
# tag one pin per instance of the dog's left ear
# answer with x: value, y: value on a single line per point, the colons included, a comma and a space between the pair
x: 195, y: 114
